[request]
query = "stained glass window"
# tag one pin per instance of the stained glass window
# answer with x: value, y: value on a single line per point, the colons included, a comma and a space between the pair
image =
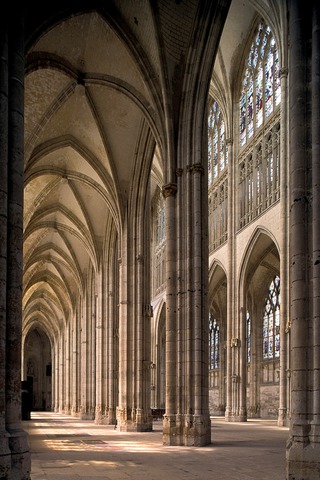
x: 271, y: 322
x: 248, y: 337
x: 217, y: 148
x: 160, y: 222
x: 214, y: 343
x: 159, y: 246
x: 261, y: 85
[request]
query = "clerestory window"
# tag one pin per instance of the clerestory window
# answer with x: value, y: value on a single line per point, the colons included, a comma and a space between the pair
x: 259, y: 141
x: 261, y: 85
x: 159, y: 236
x: 217, y: 176
x: 217, y: 147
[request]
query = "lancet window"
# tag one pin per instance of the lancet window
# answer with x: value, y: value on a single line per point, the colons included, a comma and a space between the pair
x: 159, y: 243
x: 248, y: 319
x: 217, y: 147
x: 259, y: 160
x: 214, y: 343
x: 217, y: 175
x: 271, y: 322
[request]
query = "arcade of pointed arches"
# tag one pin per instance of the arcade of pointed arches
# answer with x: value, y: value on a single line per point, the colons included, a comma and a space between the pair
x: 254, y: 164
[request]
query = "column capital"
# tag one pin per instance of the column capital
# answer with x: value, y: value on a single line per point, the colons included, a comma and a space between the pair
x: 283, y: 72
x: 169, y: 190
x: 195, y: 168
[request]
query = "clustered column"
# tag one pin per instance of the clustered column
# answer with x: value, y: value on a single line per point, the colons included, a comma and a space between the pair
x: 284, y: 247
x: 15, y: 456
x: 303, y: 449
x: 186, y: 420
x: 169, y: 193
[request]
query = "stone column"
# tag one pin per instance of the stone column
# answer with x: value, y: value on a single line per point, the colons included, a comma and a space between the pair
x: 187, y: 420
x: 255, y: 362
x: 75, y: 365
x: 112, y: 340
x: 92, y: 350
x: 169, y: 420
x: 143, y: 315
x: 62, y: 372
x: 230, y: 277
x: 124, y: 413
x: 284, y: 253
x: 199, y: 348
x: 100, y: 356
x: 133, y: 411
x: 13, y: 77
x: 200, y: 430
x: 298, y: 227
x: 315, y: 121
x: 242, y: 414
x: 83, y: 360
x: 67, y: 402
x: 5, y: 465
x: 55, y: 377
x: 303, y: 448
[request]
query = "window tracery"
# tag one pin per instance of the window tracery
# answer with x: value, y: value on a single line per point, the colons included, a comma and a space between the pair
x: 271, y: 322
x: 217, y: 176
x: 159, y: 236
x: 214, y: 343
x: 217, y: 146
x: 259, y: 160
x: 248, y: 319
x: 261, y: 85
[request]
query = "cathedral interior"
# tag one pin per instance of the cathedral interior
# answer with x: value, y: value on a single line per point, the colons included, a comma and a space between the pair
x: 160, y: 231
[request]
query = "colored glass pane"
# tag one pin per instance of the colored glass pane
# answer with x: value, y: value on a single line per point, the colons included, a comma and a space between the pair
x: 248, y: 337
x: 271, y: 322
x: 214, y: 343
x: 217, y: 149
x: 261, y: 85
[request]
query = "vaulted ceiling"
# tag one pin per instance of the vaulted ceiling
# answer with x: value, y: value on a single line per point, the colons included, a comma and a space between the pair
x: 94, y: 84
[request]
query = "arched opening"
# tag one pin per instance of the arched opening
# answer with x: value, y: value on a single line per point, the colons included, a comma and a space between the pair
x: 37, y: 369
x: 217, y: 340
x: 261, y: 314
x: 161, y: 351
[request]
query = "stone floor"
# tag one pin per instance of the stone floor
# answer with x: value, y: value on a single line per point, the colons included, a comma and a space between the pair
x: 66, y: 448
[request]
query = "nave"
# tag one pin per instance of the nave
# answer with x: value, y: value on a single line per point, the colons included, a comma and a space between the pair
x: 67, y: 448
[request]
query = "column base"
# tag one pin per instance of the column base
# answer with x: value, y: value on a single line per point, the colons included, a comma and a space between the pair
x: 186, y: 430
x: 100, y: 415
x: 133, y: 420
x: 86, y: 413
x: 283, y: 420
x: 20, y: 455
x: 105, y: 415
x: 303, y: 452
x: 74, y: 412
x: 5, y: 455
x: 236, y: 418
x: 254, y: 411
x: 67, y: 410
x: 303, y: 461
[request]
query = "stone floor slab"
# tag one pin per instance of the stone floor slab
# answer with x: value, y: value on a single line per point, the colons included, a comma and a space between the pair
x: 67, y: 448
